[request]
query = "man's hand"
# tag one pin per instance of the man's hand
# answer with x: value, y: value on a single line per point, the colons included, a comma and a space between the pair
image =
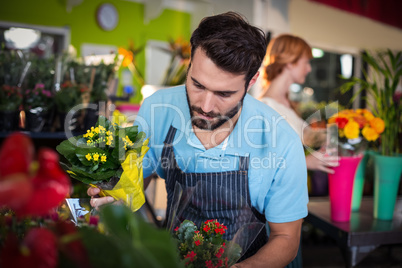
x: 97, y: 201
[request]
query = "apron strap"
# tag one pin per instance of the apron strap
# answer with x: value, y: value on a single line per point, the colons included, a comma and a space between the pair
x: 170, y: 135
x: 243, y: 163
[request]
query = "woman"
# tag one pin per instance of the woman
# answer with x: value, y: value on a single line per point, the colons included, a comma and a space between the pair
x: 287, y: 61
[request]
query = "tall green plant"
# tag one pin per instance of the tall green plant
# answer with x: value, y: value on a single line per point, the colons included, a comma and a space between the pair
x: 381, y: 84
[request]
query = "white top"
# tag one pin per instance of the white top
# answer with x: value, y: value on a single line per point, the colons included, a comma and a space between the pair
x: 308, y: 135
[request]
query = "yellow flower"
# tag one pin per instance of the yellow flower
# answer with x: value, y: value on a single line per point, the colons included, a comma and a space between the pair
x: 108, y: 141
x: 89, y: 157
x: 341, y: 133
x: 96, y: 157
x: 97, y: 130
x: 369, y: 133
x: 351, y: 130
x: 377, y: 124
x: 103, y: 158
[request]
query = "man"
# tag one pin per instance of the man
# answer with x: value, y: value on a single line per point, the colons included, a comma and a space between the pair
x: 210, y: 130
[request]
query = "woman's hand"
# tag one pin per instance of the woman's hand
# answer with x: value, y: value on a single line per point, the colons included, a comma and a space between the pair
x: 321, y: 161
x: 97, y: 201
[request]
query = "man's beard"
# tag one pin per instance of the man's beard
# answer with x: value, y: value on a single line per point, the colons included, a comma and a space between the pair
x: 204, y: 124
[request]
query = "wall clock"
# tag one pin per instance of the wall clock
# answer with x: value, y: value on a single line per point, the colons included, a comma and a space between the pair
x: 107, y: 16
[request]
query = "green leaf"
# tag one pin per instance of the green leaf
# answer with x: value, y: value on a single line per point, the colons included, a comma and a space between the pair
x: 149, y: 247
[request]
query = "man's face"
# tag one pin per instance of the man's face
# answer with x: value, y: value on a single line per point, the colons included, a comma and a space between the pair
x: 214, y: 96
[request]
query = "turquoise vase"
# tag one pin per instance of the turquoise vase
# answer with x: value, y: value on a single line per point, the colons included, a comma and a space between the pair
x: 387, y: 175
x: 359, y: 182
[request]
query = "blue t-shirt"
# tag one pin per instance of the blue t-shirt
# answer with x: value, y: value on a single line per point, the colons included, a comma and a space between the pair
x: 277, y: 174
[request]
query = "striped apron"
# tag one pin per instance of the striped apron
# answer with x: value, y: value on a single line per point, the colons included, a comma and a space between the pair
x: 223, y: 196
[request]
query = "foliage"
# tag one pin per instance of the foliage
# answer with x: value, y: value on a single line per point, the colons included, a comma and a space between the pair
x: 12, y: 65
x: 381, y: 85
x: 129, y: 61
x: 92, y: 80
x: 12, y: 74
x: 39, y: 96
x: 205, y: 247
x: 98, y: 155
x: 67, y: 97
x: 10, y: 98
x: 180, y: 51
x: 355, y: 127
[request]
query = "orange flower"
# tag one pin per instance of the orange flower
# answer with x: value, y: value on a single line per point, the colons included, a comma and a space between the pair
x: 351, y: 130
x: 370, y: 134
x: 377, y: 124
x: 128, y: 56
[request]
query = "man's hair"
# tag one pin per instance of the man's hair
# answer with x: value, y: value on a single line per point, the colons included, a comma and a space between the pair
x: 231, y: 43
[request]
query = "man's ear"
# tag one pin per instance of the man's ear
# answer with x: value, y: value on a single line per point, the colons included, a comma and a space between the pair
x: 253, y: 80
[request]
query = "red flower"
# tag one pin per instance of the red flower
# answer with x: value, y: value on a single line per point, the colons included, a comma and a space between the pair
x: 37, y: 250
x: 209, y: 264
x: 220, y: 252
x: 25, y: 194
x: 341, y: 122
x: 51, y: 185
x: 206, y: 229
x: 71, y: 245
x: 191, y: 255
x: 176, y: 229
x: 197, y: 242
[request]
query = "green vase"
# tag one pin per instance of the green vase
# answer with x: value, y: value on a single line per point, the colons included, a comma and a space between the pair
x: 387, y: 174
x: 359, y: 182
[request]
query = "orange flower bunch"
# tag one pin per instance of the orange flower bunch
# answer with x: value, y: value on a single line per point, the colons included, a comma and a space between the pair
x: 354, y: 123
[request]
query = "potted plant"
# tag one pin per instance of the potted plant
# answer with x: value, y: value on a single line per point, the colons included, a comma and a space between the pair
x: 12, y: 73
x: 384, y: 99
x: 38, y: 95
x: 68, y: 96
x: 38, y: 103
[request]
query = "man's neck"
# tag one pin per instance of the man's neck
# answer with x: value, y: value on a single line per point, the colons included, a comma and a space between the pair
x: 212, y: 138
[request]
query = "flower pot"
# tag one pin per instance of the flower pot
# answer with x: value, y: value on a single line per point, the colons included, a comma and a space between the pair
x: 36, y: 119
x: 359, y: 182
x: 91, y: 116
x: 9, y: 120
x: 341, y: 187
x: 72, y: 124
x: 387, y: 174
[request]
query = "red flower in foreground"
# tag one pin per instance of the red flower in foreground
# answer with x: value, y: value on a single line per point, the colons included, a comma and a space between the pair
x: 37, y: 250
x: 22, y: 192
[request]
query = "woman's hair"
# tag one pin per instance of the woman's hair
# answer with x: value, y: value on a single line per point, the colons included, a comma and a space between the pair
x: 282, y: 50
x: 231, y: 43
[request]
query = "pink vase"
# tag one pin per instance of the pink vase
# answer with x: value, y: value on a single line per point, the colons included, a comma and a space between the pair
x: 341, y: 187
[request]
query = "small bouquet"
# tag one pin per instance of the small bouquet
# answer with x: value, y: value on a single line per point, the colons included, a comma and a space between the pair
x: 109, y: 157
x: 213, y: 244
x: 354, y: 129
x: 205, y: 247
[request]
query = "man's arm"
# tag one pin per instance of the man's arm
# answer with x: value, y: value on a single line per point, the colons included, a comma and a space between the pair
x: 280, y: 249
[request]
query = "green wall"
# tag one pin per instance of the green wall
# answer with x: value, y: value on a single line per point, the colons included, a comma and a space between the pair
x: 84, y: 29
